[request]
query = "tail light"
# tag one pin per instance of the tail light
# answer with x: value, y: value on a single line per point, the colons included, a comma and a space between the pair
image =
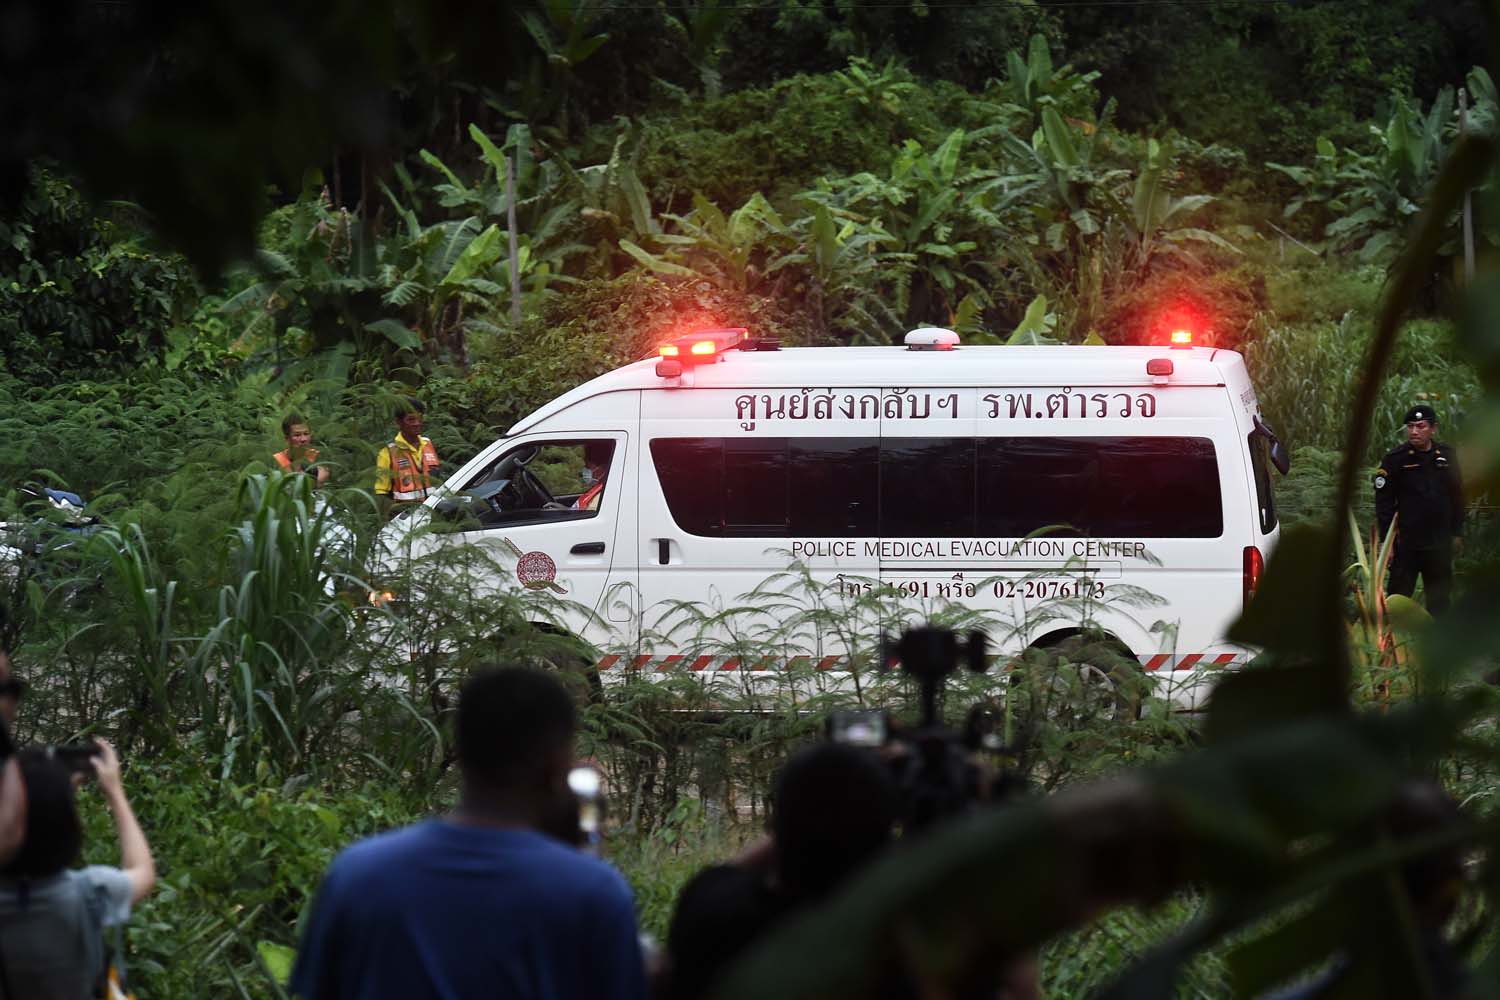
x: 1255, y: 564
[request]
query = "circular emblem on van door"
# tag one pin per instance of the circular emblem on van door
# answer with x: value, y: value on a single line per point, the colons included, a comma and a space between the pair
x: 536, y: 570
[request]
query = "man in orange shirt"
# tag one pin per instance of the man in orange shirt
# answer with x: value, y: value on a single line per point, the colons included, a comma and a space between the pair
x: 596, y: 464
x: 298, y: 457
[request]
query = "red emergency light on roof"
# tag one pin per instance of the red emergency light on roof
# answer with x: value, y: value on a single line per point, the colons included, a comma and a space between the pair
x: 1182, y: 338
x: 703, y: 345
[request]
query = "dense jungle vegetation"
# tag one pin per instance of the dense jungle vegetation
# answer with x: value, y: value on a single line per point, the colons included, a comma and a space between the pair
x: 232, y: 215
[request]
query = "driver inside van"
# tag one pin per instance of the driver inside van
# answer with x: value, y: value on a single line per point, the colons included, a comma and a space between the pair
x: 595, y: 468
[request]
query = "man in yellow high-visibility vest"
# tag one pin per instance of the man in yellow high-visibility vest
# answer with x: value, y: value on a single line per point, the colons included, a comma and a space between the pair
x: 406, y: 470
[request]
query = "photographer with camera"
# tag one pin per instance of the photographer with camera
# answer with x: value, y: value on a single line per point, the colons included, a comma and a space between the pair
x: 837, y: 806
x: 52, y: 917
x: 833, y: 809
x: 494, y: 899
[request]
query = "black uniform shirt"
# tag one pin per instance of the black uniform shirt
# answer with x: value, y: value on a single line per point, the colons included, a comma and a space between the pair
x: 1425, y: 487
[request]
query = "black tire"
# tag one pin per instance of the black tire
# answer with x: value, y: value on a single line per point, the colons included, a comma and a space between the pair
x: 1078, y: 683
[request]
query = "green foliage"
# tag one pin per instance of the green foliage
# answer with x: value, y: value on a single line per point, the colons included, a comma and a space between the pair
x: 218, y: 626
x: 80, y: 292
x: 1306, y: 372
x: 236, y: 862
x: 1033, y: 83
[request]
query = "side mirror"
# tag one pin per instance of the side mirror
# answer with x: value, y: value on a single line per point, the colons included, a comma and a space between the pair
x: 1280, y: 458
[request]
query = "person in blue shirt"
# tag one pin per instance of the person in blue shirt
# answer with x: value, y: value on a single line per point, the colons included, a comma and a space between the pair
x: 484, y: 902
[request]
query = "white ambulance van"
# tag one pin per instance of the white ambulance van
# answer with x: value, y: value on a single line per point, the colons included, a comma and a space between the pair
x: 1128, y: 486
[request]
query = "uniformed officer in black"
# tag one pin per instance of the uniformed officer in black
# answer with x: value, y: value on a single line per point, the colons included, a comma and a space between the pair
x: 1420, y: 481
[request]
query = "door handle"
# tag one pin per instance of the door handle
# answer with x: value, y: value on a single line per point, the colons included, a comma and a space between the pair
x: 588, y: 549
x: 663, y: 551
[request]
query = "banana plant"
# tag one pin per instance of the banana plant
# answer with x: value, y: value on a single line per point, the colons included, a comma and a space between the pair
x: 326, y: 288
x: 1322, y: 183
x: 848, y: 271
x: 610, y: 196
x: 875, y: 89
x: 941, y: 211
x: 1076, y: 188
x: 1155, y: 218
x: 1376, y: 195
x: 699, y: 31
x: 440, y: 271
x: 732, y: 249
x: 1032, y: 84
x: 562, y: 35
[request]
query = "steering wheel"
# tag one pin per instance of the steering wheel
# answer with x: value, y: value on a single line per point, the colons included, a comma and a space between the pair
x: 507, y: 497
x: 537, y: 495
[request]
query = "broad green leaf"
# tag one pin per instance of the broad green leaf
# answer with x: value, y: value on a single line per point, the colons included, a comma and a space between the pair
x: 1405, y: 614
x: 946, y: 157
x: 481, y: 252
x: 278, y: 959
x: 491, y: 152
x: 583, y: 48
x: 432, y: 161
x: 1034, y: 325
x: 1084, y: 220
x: 450, y: 239
x: 539, y: 33
x: 825, y: 241
x: 656, y: 263
x: 1059, y: 139
x: 397, y: 333
x: 1038, y: 63
x: 636, y: 201
x: 1150, y: 193
x: 1190, y: 234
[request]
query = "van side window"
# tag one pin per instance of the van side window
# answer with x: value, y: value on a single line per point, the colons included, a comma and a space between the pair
x: 1106, y: 487
x: 1265, y: 497
x: 1115, y: 487
x: 926, y: 487
x: 533, y: 484
x: 770, y: 487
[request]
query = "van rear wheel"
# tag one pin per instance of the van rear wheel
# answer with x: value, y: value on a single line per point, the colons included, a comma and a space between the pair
x: 1079, y: 683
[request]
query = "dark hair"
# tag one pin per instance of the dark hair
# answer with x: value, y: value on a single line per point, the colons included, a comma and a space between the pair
x: 54, y: 835
x: 598, y: 452
x: 509, y: 720
x: 833, y: 808
x: 405, y: 406
x: 291, y: 420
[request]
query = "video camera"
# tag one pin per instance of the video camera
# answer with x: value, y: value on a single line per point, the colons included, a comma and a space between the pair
x: 939, y: 772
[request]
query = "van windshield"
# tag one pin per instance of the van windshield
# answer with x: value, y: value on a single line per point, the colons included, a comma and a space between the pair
x: 1136, y: 487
